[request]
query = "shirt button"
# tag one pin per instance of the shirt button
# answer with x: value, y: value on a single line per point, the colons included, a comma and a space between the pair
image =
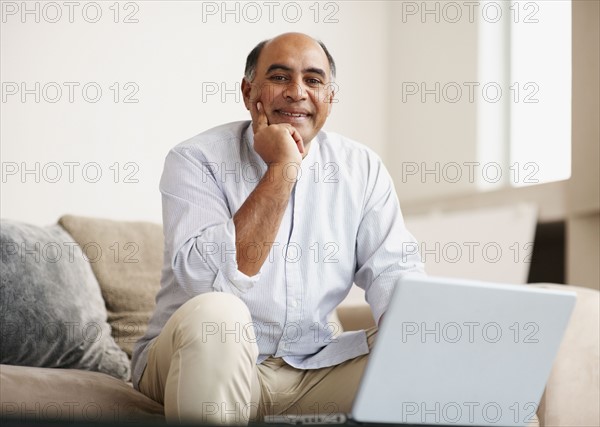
x: 295, y: 303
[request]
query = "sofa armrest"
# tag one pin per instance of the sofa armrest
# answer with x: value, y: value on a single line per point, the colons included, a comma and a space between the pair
x: 68, y: 395
x: 572, y: 396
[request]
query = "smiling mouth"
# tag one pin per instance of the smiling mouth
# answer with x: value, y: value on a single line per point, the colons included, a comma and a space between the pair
x: 291, y: 114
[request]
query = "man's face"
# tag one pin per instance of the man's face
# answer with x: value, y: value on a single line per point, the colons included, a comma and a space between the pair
x: 293, y: 83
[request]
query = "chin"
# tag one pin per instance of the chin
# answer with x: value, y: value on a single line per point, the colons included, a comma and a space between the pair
x: 307, y: 139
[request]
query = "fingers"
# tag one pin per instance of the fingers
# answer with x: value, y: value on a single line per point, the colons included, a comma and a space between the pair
x: 259, y: 117
x: 297, y: 138
x: 260, y: 121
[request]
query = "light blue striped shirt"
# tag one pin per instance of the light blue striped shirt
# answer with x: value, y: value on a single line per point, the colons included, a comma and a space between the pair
x: 343, y: 225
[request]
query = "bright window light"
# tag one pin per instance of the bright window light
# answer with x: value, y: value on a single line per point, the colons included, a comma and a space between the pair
x: 528, y: 132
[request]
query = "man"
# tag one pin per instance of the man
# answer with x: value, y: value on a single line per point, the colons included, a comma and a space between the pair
x: 267, y: 224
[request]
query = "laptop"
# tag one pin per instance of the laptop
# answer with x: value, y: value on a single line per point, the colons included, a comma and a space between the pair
x: 458, y: 352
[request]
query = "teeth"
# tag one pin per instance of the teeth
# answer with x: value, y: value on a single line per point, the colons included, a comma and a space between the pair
x: 292, y: 114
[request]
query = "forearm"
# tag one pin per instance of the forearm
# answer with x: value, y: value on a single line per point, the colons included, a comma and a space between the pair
x: 258, y: 219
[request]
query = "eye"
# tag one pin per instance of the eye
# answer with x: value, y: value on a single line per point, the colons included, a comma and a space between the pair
x: 313, y: 81
x: 278, y: 78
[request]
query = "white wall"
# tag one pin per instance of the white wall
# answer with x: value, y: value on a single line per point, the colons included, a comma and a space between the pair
x: 174, y: 52
x: 429, y: 49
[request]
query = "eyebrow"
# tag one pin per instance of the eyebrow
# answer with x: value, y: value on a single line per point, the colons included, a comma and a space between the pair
x: 315, y: 70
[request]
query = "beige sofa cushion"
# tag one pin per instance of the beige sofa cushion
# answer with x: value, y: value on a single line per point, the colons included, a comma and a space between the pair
x: 572, y: 396
x: 126, y: 258
x: 70, y: 394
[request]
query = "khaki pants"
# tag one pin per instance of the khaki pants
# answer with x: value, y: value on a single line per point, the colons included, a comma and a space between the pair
x: 203, y: 376
x: 200, y: 375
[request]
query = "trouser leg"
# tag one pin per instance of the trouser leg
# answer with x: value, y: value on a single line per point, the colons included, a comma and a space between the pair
x: 326, y: 391
x: 202, y: 366
x: 289, y: 391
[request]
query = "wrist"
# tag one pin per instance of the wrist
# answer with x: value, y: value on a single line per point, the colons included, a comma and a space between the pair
x: 283, y: 172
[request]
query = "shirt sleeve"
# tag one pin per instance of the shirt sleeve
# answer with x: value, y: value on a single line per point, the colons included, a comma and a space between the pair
x: 385, y: 248
x: 198, y: 228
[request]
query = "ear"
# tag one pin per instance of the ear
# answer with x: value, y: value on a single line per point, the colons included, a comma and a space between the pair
x: 246, y: 92
x: 330, y: 101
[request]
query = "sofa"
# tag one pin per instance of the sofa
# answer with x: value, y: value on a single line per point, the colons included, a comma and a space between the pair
x: 77, y: 295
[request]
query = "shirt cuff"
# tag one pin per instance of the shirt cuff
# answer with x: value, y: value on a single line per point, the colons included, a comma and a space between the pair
x: 237, y: 284
x: 379, y: 300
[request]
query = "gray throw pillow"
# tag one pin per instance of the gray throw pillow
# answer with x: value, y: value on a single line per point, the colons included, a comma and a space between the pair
x: 51, y: 310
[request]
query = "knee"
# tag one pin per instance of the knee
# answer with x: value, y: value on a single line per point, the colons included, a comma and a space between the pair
x: 214, y: 317
x: 216, y: 307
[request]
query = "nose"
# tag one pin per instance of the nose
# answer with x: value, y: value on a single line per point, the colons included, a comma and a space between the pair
x: 295, y: 92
